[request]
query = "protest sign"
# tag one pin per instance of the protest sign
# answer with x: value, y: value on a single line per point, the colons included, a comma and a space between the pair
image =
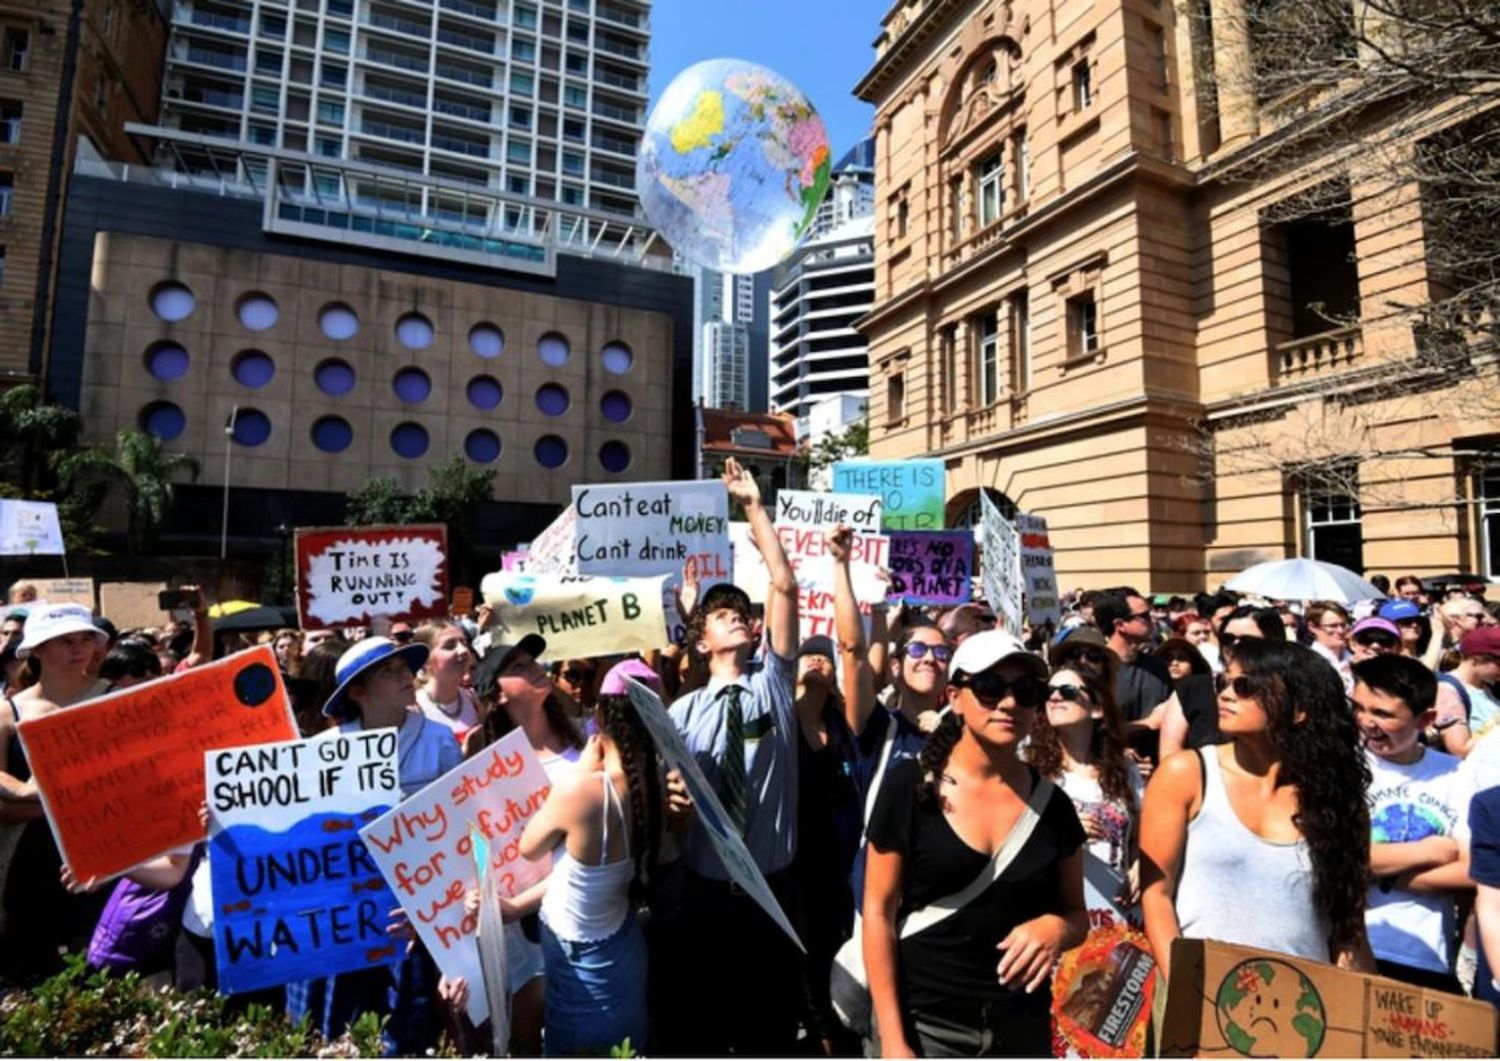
x: 30, y: 528
x: 132, y: 605
x: 121, y: 777
x: 424, y: 849
x: 580, y: 616
x: 912, y: 493
x: 65, y: 591
x: 492, y: 954
x: 348, y: 575
x: 802, y: 518
x: 294, y: 891
x: 733, y: 855
x: 931, y: 567
x: 1001, y: 565
x: 513, y: 560
x: 644, y: 529
x: 551, y: 552
x: 1036, y: 569
x: 462, y: 601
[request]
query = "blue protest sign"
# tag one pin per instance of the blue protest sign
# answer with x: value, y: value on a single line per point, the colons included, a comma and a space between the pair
x: 912, y: 493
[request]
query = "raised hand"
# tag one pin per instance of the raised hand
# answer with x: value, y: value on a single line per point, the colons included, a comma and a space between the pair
x: 741, y: 484
x: 839, y: 542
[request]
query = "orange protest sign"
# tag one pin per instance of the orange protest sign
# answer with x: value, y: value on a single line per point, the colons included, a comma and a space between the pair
x: 121, y: 778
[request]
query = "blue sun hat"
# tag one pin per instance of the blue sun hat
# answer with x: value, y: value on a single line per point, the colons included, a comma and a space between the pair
x: 359, y: 658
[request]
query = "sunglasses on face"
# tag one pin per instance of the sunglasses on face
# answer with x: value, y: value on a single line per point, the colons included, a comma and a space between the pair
x: 1088, y: 655
x: 578, y: 677
x: 1245, y: 688
x: 402, y: 638
x: 990, y: 688
x: 918, y: 649
x: 1376, y: 642
x: 1142, y: 617
x: 1180, y: 659
x: 1072, y: 693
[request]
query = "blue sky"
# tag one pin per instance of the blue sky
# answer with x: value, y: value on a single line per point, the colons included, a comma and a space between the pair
x: 823, y: 46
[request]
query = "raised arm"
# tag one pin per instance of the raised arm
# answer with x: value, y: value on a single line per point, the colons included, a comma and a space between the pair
x: 857, y: 681
x: 1171, y: 800
x: 781, y: 594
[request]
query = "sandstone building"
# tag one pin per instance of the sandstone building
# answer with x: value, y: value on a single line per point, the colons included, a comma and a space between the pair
x: 1124, y: 282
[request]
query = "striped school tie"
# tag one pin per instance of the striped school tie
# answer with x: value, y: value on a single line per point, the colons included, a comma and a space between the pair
x: 732, y: 780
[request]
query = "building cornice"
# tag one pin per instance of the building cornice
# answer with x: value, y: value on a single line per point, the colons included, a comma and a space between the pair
x: 906, y: 47
x: 1140, y: 407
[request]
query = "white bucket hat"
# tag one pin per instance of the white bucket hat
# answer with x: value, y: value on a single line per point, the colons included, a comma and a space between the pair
x: 55, y: 620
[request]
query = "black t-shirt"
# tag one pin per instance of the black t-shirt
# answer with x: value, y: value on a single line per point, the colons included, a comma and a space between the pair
x: 1200, y: 706
x: 1141, y: 685
x: 956, y: 958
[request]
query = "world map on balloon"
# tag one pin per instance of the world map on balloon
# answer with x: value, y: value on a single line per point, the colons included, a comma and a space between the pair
x: 733, y: 165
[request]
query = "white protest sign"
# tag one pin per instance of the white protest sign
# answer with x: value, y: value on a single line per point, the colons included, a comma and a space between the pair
x: 348, y: 575
x: 732, y: 852
x: 492, y: 954
x: 1036, y: 566
x: 30, y: 528
x: 642, y: 529
x: 802, y: 519
x: 424, y: 848
x: 580, y: 616
x: 1001, y: 565
x: 551, y: 551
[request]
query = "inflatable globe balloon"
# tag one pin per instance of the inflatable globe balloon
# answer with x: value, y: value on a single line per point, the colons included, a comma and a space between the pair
x: 733, y: 166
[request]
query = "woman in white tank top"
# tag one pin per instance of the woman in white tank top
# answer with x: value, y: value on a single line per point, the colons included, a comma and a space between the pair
x: 1264, y: 840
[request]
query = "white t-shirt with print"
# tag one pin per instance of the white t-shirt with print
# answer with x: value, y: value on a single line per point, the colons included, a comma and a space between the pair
x: 1115, y: 818
x: 1429, y: 797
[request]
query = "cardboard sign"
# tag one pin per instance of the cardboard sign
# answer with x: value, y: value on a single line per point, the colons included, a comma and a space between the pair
x: 348, y: 575
x: 121, y: 777
x: 1036, y: 569
x: 462, y: 602
x: 1001, y: 565
x: 552, y: 551
x: 30, y: 528
x: 425, y: 850
x: 1230, y: 1001
x: 733, y: 855
x: 132, y: 605
x: 65, y: 591
x: 802, y: 518
x: 295, y: 893
x: 644, y: 529
x: 580, y: 616
x: 912, y: 493
x: 931, y: 567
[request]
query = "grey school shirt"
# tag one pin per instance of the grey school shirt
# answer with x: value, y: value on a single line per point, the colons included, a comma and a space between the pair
x: 767, y: 693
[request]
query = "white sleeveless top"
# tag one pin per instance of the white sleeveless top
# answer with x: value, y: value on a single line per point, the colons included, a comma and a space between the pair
x: 584, y: 903
x: 1237, y: 887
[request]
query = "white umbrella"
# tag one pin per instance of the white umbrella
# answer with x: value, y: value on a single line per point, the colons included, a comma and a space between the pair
x: 1303, y: 579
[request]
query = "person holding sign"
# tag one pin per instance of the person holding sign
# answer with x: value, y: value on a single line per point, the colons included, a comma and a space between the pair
x: 63, y: 642
x: 742, y: 729
x: 974, y: 858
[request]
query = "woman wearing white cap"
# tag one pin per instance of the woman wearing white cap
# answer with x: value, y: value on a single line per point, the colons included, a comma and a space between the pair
x: 64, y: 642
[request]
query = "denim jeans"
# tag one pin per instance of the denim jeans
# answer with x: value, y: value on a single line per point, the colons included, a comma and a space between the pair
x: 596, y: 992
x: 989, y: 1029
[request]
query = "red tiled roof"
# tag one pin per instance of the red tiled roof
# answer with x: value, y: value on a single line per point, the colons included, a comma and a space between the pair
x: 726, y: 430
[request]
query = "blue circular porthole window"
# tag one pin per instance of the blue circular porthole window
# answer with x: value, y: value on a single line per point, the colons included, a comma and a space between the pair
x: 615, y: 405
x: 482, y: 446
x: 551, y: 451
x: 334, y: 377
x: 617, y: 358
x: 338, y: 321
x: 251, y: 368
x: 615, y: 456
x: 484, y: 392
x: 414, y: 331
x: 257, y: 311
x: 332, y: 434
x: 486, y: 340
x: 554, y: 349
x: 552, y: 399
x: 164, y: 420
x: 167, y: 361
x: 251, y: 427
x: 412, y: 385
x: 172, y: 301
x: 409, y: 440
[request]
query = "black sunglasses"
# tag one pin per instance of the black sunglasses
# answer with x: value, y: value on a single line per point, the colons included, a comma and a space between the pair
x: 578, y: 677
x: 1075, y: 693
x: 1088, y: 654
x: 1245, y: 688
x: 1144, y: 617
x: 402, y: 638
x: 918, y: 649
x: 1376, y: 640
x: 991, y: 688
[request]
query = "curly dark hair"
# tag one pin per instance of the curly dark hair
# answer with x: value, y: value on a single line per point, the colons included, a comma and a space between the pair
x: 1313, y: 731
x: 619, y: 722
x: 933, y: 759
x: 1106, y: 746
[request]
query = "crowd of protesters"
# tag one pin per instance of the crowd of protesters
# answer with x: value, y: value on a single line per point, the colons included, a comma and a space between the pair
x: 923, y: 784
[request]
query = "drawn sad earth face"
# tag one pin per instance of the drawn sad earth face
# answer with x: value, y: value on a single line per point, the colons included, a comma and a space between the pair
x: 1267, y: 1008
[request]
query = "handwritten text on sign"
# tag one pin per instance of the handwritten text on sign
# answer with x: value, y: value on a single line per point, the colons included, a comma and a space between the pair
x: 551, y: 551
x: 1001, y: 546
x: 348, y: 575
x: 425, y: 849
x: 121, y: 777
x: 1037, y: 571
x: 802, y: 518
x: 644, y: 529
x: 931, y: 567
x: 295, y: 892
x: 580, y: 616
x: 911, y: 492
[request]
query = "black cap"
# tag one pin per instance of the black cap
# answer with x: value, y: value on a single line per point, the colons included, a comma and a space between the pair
x: 487, y: 673
x: 817, y: 645
x: 725, y: 595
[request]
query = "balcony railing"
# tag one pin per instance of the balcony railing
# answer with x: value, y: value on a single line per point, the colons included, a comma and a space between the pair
x: 1313, y: 355
x: 467, y: 40
x: 463, y: 147
x: 404, y: 62
x: 223, y: 60
x: 469, y: 77
x: 461, y: 110
x: 484, y: 11
x: 619, y: 114
x: 391, y: 132
x: 628, y: 51
x: 629, y: 84
x: 396, y: 95
x: 398, y: 25
x: 217, y: 21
